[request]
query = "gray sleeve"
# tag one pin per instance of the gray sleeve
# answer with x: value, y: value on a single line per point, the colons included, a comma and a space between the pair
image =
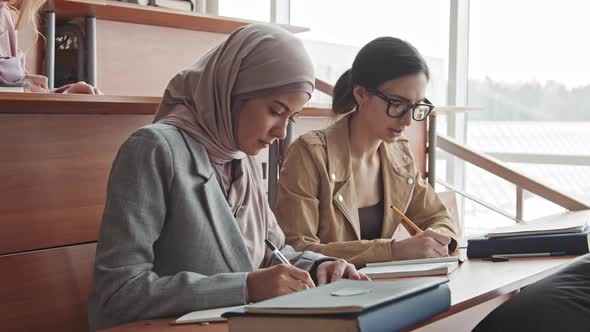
x: 305, y: 260
x: 126, y: 287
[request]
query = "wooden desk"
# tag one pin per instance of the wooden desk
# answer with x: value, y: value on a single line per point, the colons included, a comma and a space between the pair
x: 151, y: 15
x: 474, y: 283
x: 57, y: 103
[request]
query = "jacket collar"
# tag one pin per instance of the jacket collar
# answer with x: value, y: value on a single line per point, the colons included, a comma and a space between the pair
x: 396, y: 189
x: 397, y: 186
x: 340, y: 171
x: 202, y: 166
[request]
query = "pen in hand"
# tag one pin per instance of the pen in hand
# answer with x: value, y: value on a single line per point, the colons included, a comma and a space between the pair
x: 413, y: 226
x: 406, y: 220
x: 276, y: 252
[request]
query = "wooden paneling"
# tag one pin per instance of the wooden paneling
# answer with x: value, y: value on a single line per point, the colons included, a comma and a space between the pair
x: 54, y: 170
x: 46, y: 290
x: 140, y: 60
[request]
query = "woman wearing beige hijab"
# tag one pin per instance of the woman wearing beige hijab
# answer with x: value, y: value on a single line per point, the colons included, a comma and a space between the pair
x: 186, y: 215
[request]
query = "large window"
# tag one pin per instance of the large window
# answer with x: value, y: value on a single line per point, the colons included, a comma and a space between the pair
x: 528, y: 70
x: 339, y: 28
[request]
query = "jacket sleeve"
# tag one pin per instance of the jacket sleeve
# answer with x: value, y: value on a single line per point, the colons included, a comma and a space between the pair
x: 427, y: 211
x: 126, y: 287
x: 298, y: 212
x: 305, y: 260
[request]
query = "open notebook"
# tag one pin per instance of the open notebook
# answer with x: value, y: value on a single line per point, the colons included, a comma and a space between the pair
x: 410, y: 270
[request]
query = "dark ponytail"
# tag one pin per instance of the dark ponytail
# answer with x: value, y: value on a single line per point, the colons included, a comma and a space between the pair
x: 381, y: 60
x: 343, y: 100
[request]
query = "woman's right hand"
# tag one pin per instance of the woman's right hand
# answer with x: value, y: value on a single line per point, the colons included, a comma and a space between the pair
x: 428, y: 244
x: 277, y: 280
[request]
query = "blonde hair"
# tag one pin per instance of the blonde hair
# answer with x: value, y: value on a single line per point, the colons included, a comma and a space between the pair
x: 25, y: 12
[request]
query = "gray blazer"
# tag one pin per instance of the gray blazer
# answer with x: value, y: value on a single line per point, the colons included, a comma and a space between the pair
x: 168, y: 242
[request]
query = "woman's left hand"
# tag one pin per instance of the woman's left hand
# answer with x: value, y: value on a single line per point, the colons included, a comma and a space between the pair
x: 331, y: 271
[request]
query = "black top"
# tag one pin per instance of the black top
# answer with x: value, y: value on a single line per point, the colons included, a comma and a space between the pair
x: 371, y: 221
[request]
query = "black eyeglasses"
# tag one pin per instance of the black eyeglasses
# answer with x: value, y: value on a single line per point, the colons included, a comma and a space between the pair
x: 396, y: 108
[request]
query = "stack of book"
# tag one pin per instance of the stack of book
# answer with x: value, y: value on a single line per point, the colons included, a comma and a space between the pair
x: 412, y: 267
x: 346, y: 305
x: 197, y: 6
x: 12, y: 87
x: 567, y: 234
x: 183, y: 5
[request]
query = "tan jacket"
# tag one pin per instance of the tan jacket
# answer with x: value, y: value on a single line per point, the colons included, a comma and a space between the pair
x: 316, y: 207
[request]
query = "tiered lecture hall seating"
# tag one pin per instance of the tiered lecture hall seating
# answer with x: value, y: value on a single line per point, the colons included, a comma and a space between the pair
x: 56, y: 152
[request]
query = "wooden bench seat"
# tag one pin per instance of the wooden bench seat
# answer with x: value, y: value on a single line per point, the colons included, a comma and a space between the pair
x: 46, y: 290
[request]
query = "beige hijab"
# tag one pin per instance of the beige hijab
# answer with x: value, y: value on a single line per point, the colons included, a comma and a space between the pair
x: 254, y: 60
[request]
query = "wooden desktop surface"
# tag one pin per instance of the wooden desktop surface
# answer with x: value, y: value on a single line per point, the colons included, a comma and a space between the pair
x: 52, y: 103
x: 475, y: 282
x: 48, y: 103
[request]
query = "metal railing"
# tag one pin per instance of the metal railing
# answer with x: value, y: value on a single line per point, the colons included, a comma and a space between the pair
x: 522, y: 182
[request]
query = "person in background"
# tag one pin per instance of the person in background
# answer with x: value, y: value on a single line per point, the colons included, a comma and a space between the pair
x: 559, y: 302
x: 12, y: 59
x: 336, y: 185
x: 186, y: 215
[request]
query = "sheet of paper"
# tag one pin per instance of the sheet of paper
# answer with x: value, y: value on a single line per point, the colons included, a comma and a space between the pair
x: 448, y: 259
x: 547, y: 227
x: 410, y: 270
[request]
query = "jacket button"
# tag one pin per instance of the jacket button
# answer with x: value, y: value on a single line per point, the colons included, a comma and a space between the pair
x: 333, y: 177
x: 340, y: 198
x: 410, y: 181
x: 405, y: 157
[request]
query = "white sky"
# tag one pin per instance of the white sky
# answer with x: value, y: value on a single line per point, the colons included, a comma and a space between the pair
x: 510, y: 40
x: 527, y: 39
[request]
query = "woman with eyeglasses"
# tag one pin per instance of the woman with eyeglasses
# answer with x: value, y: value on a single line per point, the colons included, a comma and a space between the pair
x: 337, y: 185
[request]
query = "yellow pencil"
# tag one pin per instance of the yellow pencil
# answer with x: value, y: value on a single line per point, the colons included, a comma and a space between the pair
x: 406, y: 219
